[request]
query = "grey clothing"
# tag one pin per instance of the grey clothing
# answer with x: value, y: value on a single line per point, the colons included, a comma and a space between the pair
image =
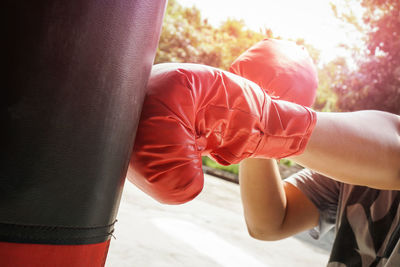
x: 366, y: 220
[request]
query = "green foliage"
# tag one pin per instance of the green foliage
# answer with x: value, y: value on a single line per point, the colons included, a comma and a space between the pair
x: 375, y: 84
x: 287, y: 162
x: 234, y: 168
x: 186, y: 37
x: 329, y: 75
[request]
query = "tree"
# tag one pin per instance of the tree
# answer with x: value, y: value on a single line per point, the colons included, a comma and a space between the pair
x: 329, y: 75
x: 375, y: 84
x: 182, y: 35
x: 186, y: 37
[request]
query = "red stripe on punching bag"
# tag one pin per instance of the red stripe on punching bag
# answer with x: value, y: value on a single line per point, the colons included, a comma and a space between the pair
x: 35, y: 255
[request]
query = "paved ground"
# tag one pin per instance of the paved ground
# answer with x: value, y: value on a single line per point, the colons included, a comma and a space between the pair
x: 206, y: 232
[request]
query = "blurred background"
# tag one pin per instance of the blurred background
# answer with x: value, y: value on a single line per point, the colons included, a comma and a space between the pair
x: 355, y: 45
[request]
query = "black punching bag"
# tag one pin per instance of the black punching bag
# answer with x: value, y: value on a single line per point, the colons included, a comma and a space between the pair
x: 74, y: 82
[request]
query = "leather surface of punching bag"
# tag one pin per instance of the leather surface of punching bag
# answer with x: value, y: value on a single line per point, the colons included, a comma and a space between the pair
x: 73, y: 85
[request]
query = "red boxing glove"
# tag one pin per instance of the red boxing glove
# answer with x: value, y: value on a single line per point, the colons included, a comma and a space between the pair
x: 193, y: 110
x: 283, y: 68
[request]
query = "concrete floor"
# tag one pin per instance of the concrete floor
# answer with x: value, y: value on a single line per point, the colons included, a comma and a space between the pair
x: 207, y: 232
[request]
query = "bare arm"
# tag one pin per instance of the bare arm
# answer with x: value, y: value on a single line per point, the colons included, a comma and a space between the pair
x: 360, y: 148
x: 273, y: 209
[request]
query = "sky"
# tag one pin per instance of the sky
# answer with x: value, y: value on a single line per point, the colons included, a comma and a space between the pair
x: 312, y: 20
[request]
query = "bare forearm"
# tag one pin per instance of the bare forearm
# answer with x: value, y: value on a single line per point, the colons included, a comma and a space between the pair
x: 358, y: 148
x: 273, y: 209
x: 263, y: 196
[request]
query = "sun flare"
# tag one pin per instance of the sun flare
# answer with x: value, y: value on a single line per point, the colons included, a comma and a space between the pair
x: 311, y: 20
